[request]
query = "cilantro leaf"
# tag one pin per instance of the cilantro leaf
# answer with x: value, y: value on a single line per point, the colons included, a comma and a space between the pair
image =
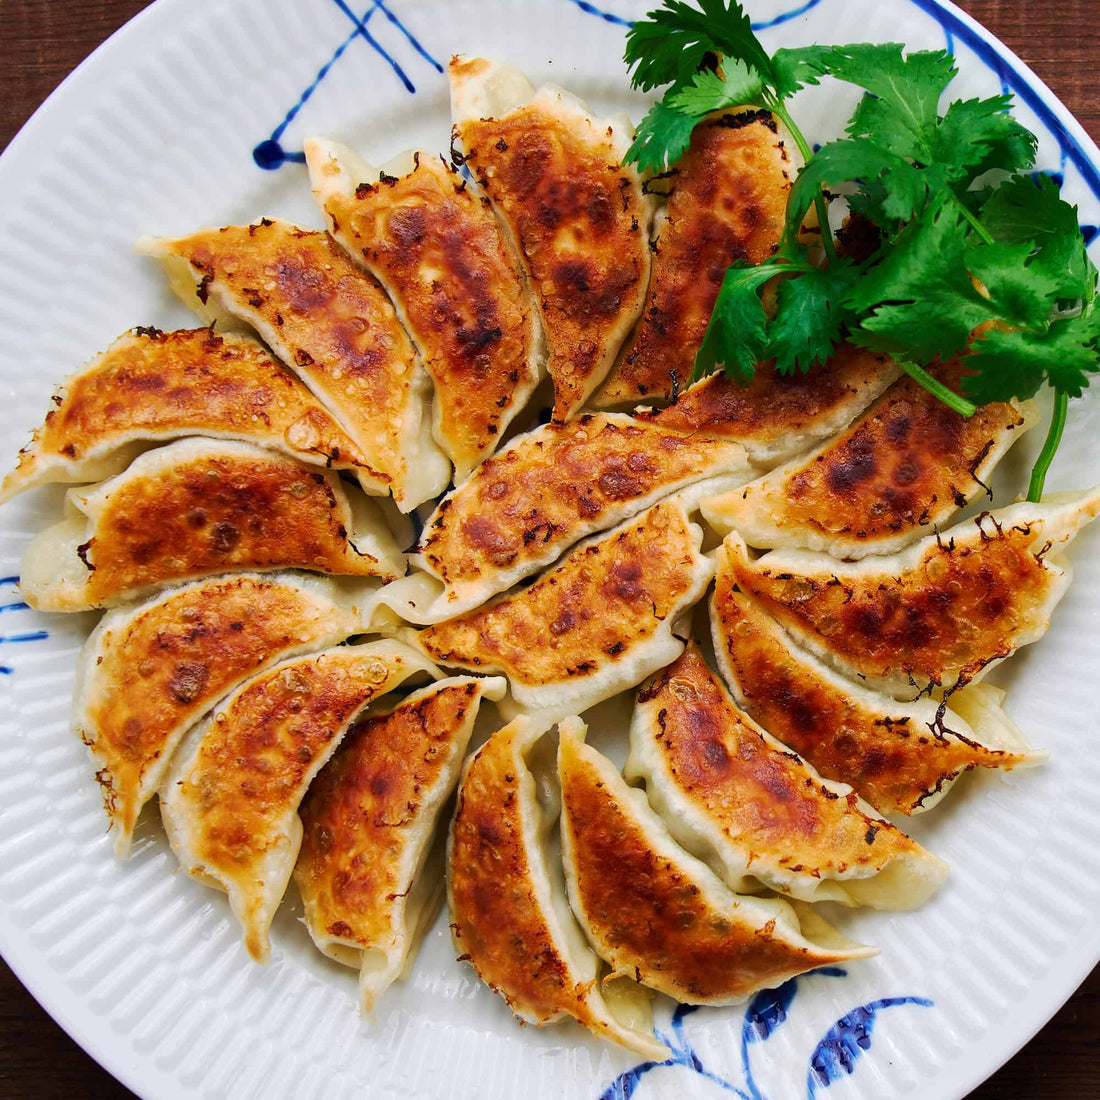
x: 708, y: 91
x: 1020, y: 294
x: 661, y: 139
x: 809, y: 317
x: 977, y: 135
x: 737, y: 333
x: 796, y: 68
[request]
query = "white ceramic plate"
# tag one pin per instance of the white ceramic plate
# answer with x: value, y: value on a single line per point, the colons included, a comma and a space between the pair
x: 156, y: 134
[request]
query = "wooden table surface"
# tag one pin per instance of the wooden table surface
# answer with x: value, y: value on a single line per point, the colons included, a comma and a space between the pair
x: 42, y: 40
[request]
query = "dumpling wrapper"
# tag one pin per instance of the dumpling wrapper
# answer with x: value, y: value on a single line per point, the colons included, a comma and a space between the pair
x: 149, y: 672
x: 903, y: 470
x: 230, y: 799
x: 549, y: 488
x: 754, y: 811
x: 939, y: 613
x: 900, y: 757
x: 199, y: 507
x: 656, y: 913
x: 728, y: 202
x: 455, y: 279
x: 509, y: 915
x: 369, y: 873
x: 778, y: 416
x: 331, y: 323
x: 554, y: 173
x: 150, y: 386
x: 595, y: 625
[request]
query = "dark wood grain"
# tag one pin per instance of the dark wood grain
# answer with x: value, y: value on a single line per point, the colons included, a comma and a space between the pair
x: 44, y: 39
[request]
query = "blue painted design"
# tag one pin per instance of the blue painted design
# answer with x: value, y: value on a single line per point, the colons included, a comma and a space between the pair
x: 606, y: 16
x: 29, y: 636
x: 1089, y: 232
x: 9, y: 580
x: 836, y: 1055
x: 787, y: 16
x: 20, y: 606
x: 270, y: 154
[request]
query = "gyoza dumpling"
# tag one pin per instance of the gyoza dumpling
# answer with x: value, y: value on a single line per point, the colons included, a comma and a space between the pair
x: 509, y: 916
x: 149, y: 672
x: 727, y: 202
x: 151, y: 386
x: 755, y: 811
x: 940, y: 612
x: 901, y: 471
x: 591, y: 627
x: 455, y: 279
x: 333, y: 324
x: 661, y: 916
x: 198, y: 507
x: 900, y: 757
x: 777, y: 416
x: 546, y: 490
x: 370, y: 876
x: 230, y: 799
x: 555, y: 175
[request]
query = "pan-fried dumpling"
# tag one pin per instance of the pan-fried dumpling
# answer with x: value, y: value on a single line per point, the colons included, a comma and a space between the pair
x: 199, y: 507
x: 902, y: 470
x: 151, y: 386
x: 594, y: 625
x: 333, y: 324
x: 545, y: 491
x: 149, y: 672
x: 580, y: 218
x: 230, y: 799
x: 658, y: 914
x: 777, y: 416
x: 940, y: 612
x: 367, y: 870
x: 900, y: 757
x: 509, y: 916
x: 455, y: 279
x: 728, y: 201
x: 755, y: 811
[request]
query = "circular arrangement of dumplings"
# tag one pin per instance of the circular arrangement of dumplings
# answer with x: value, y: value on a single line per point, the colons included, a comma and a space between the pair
x: 339, y: 546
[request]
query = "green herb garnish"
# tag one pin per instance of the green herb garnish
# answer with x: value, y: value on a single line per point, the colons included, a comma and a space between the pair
x: 997, y: 270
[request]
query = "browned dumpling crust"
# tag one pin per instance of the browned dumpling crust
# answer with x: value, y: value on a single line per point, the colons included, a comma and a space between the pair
x: 777, y: 416
x: 902, y: 470
x: 553, y: 486
x: 784, y: 824
x: 152, y: 672
x: 728, y: 202
x: 897, y: 756
x: 150, y: 386
x: 580, y: 220
x: 588, y: 619
x: 937, y: 613
x: 654, y: 912
x: 458, y: 283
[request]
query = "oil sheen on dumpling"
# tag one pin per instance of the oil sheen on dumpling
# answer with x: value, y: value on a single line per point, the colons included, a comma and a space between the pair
x: 727, y: 202
x: 230, y: 799
x: 655, y: 912
x: 370, y: 876
x: 900, y: 757
x: 594, y: 625
x: 333, y: 324
x: 938, y: 613
x: 199, y: 507
x: 903, y: 470
x: 755, y: 811
x: 547, y: 490
x: 777, y: 416
x: 151, y: 386
x: 580, y: 218
x: 149, y: 672
x: 455, y: 279
x: 509, y: 916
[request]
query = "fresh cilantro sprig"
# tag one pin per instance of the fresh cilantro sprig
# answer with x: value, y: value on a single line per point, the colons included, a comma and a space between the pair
x: 996, y: 271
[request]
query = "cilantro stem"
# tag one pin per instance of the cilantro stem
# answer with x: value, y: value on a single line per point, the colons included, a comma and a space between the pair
x: 951, y: 399
x: 1054, y: 437
x: 977, y: 225
x: 807, y: 155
